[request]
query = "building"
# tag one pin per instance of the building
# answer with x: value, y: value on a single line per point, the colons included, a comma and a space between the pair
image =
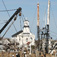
x: 1, y: 46
x: 24, y: 36
x: 4, y: 44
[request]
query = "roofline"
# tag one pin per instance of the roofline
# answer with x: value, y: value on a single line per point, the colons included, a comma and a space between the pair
x: 14, y: 35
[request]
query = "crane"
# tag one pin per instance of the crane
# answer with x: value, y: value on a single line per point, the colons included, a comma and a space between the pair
x: 11, y: 18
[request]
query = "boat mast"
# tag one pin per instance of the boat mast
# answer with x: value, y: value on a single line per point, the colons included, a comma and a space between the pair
x: 47, y: 33
x: 48, y: 13
x: 38, y: 30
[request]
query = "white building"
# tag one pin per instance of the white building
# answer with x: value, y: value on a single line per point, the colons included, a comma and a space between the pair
x: 24, y: 36
x: 4, y: 43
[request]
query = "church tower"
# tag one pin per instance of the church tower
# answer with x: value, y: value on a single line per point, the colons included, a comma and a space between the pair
x: 26, y: 27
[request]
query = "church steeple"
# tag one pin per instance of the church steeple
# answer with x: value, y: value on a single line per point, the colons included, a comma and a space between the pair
x: 26, y: 27
x: 26, y: 23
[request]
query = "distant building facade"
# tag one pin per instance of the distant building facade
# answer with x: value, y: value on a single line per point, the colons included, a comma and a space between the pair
x: 4, y: 43
x: 24, y: 36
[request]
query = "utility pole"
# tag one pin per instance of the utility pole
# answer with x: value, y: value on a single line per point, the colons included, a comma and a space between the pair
x: 47, y: 29
x: 38, y: 29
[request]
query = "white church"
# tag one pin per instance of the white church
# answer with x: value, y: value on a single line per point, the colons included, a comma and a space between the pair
x: 24, y: 37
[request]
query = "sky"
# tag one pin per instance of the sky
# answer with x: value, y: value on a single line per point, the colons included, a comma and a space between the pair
x: 29, y: 10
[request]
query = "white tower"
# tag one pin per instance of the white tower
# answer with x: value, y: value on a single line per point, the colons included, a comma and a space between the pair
x: 26, y: 27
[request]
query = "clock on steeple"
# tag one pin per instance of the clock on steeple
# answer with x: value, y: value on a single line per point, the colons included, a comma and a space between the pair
x: 26, y: 23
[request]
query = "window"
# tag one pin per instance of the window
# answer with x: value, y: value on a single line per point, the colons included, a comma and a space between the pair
x: 31, y: 38
x: 26, y: 39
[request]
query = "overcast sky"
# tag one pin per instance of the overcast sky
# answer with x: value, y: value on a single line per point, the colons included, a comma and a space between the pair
x: 29, y: 10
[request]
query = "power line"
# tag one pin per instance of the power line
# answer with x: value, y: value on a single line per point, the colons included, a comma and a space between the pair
x: 5, y: 8
x: 8, y: 14
x: 54, y: 36
x: 8, y: 10
x: 9, y: 27
x: 54, y: 18
x: 53, y: 33
x: 23, y: 19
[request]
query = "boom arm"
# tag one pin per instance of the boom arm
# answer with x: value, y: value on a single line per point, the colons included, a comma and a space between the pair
x: 18, y: 11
